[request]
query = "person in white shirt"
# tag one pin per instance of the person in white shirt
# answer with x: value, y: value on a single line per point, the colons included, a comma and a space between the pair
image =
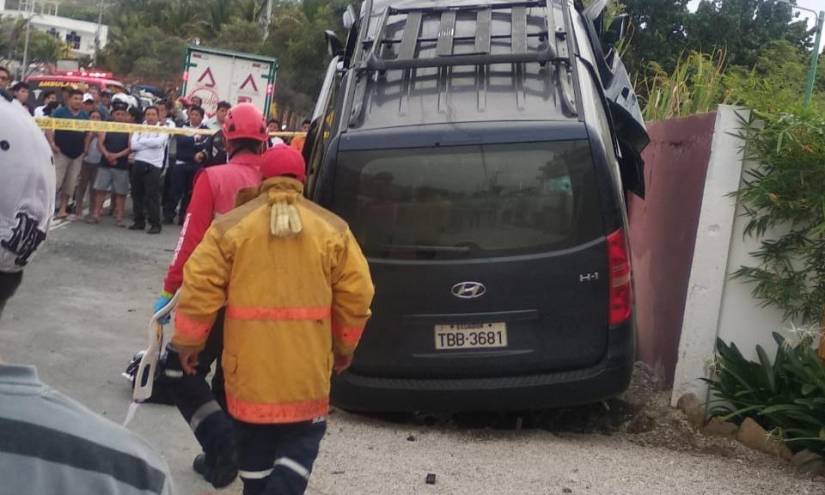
x: 216, y: 121
x: 149, y: 149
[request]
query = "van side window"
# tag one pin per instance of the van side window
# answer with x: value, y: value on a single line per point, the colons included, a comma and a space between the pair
x: 324, y: 133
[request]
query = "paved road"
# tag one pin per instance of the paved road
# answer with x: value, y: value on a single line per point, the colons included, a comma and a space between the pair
x: 82, y: 311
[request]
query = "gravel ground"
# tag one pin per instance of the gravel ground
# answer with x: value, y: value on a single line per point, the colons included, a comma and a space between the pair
x: 82, y: 311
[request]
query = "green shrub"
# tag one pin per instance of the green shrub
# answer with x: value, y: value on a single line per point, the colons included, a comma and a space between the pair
x: 694, y: 86
x: 786, y: 396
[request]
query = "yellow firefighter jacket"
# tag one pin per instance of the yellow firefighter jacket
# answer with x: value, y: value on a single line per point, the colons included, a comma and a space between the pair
x: 297, y: 291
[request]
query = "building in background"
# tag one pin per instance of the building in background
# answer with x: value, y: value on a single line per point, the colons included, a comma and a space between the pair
x: 79, y: 35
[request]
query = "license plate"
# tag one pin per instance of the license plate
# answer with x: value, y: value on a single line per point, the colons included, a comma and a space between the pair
x: 471, y: 336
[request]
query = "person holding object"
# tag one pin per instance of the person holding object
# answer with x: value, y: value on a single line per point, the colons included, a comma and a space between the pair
x: 214, y: 194
x: 297, y: 291
x: 149, y: 149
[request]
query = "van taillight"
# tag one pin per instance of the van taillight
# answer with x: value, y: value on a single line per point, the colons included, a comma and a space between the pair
x: 621, y: 297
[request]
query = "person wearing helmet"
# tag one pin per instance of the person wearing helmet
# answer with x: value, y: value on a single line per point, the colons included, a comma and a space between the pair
x: 27, y: 193
x: 70, y: 448
x: 297, y: 291
x: 214, y: 194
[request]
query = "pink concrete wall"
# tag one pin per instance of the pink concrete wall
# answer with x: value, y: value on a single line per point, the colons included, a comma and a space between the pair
x: 663, y: 233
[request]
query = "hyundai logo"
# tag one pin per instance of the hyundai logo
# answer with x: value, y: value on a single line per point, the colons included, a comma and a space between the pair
x: 469, y: 290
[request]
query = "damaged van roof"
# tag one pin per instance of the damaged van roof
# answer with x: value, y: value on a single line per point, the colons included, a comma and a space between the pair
x: 424, y: 63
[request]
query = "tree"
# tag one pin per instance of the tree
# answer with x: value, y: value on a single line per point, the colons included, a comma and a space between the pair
x: 45, y: 48
x: 656, y: 33
x: 240, y: 35
x: 743, y: 27
x: 662, y: 31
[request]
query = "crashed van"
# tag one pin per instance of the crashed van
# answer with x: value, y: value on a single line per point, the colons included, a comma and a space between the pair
x: 481, y: 154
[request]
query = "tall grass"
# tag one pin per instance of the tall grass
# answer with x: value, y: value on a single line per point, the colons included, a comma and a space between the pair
x: 694, y: 86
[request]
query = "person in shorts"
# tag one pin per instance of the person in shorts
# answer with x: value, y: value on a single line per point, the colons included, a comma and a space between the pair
x: 68, y: 148
x: 113, y: 173
x: 88, y: 172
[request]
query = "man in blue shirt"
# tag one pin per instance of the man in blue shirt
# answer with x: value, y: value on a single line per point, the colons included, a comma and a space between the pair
x: 68, y: 148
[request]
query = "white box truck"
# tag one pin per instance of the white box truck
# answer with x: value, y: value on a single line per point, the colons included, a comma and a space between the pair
x: 215, y: 75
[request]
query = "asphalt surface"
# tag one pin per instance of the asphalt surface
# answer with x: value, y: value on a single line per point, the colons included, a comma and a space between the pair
x: 83, y: 310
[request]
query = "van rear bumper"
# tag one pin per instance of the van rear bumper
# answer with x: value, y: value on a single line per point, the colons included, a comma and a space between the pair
x: 608, y: 378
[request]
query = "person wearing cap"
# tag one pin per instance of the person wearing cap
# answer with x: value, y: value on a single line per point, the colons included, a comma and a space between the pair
x: 214, y: 194
x: 68, y: 148
x: 297, y: 292
x: 88, y: 103
x: 27, y: 193
x: 50, y: 443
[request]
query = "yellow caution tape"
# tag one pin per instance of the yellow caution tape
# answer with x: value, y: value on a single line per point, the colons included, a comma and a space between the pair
x: 78, y: 125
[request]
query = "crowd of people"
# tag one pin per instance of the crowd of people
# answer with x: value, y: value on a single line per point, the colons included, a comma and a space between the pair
x: 157, y: 169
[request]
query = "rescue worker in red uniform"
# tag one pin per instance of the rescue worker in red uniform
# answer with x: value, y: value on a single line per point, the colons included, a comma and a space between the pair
x: 214, y: 194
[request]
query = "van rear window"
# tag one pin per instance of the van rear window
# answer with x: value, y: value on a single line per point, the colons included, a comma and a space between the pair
x: 469, y: 201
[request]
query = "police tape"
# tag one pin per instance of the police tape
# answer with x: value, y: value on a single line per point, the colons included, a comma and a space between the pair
x: 77, y: 125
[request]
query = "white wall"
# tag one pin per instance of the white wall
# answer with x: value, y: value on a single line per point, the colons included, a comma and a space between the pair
x: 717, y: 305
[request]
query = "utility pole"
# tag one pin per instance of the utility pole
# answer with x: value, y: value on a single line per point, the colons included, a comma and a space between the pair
x: 820, y: 24
x: 267, y: 18
x: 29, y: 15
x: 97, y: 32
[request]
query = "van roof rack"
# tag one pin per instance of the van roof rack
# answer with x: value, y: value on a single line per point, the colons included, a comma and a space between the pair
x: 551, y: 48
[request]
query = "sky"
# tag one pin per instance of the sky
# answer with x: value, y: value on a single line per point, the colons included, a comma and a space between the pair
x: 810, y: 4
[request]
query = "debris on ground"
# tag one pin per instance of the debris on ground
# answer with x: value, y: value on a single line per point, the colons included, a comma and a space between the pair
x: 430, y: 478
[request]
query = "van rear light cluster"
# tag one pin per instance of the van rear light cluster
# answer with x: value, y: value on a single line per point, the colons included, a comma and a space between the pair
x: 621, y: 294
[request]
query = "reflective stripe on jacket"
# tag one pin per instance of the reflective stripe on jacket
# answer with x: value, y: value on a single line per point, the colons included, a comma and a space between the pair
x: 294, y: 303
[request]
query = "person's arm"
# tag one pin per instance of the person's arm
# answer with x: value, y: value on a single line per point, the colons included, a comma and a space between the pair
x: 87, y: 142
x: 202, y: 296
x: 50, y: 138
x: 101, y: 146
x: 199, y: 216
x: 124, y: 152
x: 153, y: 141
x: 136, y: 142
x: 352, y: 293
x: 203, y: 150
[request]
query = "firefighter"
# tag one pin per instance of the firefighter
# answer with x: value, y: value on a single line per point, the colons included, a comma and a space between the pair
x: 297, y: 290
x: 213, y: 194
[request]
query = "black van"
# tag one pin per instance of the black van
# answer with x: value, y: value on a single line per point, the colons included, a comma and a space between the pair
x: 481, y: 153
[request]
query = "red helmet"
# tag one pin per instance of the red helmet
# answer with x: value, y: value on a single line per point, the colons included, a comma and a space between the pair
x: 244, y: 121
x: 283, y: 160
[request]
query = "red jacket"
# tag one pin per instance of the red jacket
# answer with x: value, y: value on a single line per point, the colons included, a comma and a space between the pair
x: 214, y: 194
